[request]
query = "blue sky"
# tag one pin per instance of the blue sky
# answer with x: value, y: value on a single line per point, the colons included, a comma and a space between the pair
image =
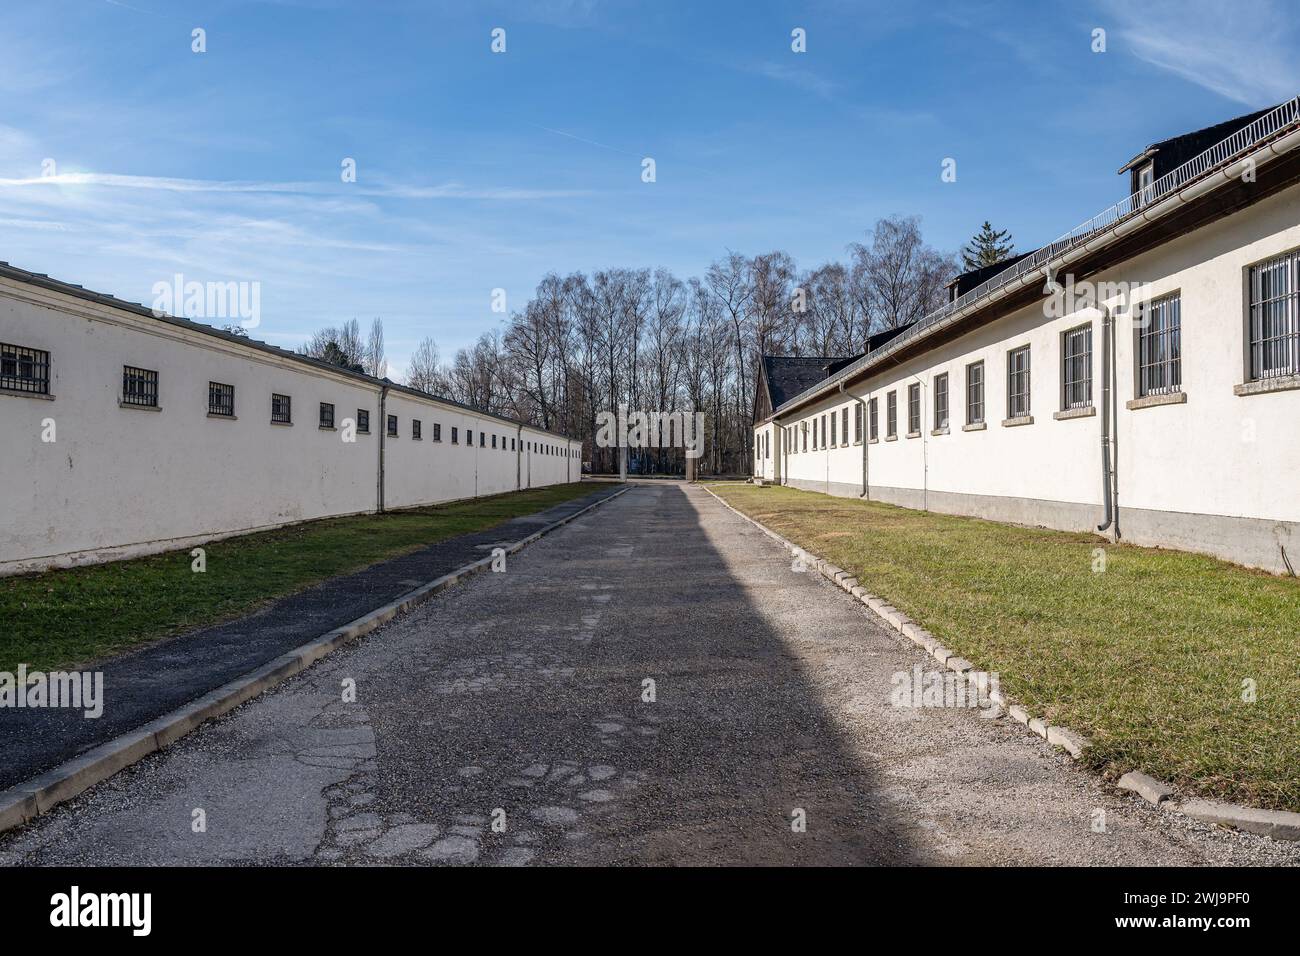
x: 478, y: 171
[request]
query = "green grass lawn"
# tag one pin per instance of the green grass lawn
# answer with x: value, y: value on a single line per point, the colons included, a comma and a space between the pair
x: 62, y: 618
x: 1147, y: 658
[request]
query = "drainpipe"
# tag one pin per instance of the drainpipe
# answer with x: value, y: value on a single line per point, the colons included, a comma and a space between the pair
x: 1108, y: 484
x: 862, y: 406
x: 383, y: 433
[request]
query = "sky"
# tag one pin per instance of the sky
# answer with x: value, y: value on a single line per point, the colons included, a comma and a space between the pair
x: 127, y: 158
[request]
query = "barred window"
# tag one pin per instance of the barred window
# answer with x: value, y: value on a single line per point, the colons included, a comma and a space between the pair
x: 437, y: 432
x: 941, y: 401
x: 221, y: 400
x: 891, y: 415
x: 494, y: 441
x: 415, y: 429
x: 482, y: 439
x: 326, y: 415
x: 139, y: 387
x: 1076, y: 367
x: 1275, y: 317
x: 975, y: 393
x: 1160, y: 346
x: 363, y: 421
x: 512, y: 444
x: 914, y: 409
x: 873, y: 420
x: 392, y: 426
x: 857, y: 422
x: 1018, y: 382
x: 281, y: 409
x: 24, y: 370
x: 469, y: 437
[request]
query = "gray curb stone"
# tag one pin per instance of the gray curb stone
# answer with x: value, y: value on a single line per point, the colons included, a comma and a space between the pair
x: 1076, y: 744
x: 959, y: 664
x: 1278, y: 824
x: 1018, y: 714
x: 1148, y: 788
x: 25, y: 801
x: 1038, y: 726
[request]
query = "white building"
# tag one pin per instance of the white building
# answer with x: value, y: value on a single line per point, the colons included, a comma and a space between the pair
x: 125, y: 434
x: 1174, y: 422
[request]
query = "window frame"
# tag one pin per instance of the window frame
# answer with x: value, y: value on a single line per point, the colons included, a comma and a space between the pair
x: 363, y: 421
x: 131, y: 395
x: 392, y: 431
x: 1014, y: 411
x: 913, y: 409
x: 218, y: 390
x: 1166, y: 338
x: 982, y: 401
x: 281, y: 408
x: 891, y: 414
x: 12, y: 360
x: 1072, y: 364
x: 1258, y: 344
x: 325, y: 416
x: 940, y: 388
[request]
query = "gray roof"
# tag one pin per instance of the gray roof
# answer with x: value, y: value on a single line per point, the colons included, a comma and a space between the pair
x: 102, y: 298
x: 788, y: 375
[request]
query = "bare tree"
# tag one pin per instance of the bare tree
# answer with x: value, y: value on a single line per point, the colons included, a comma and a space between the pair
x: 376, y: 362
x: 423, y: 372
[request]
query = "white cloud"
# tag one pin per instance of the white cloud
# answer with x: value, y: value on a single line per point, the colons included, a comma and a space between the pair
x: 1244, y: 51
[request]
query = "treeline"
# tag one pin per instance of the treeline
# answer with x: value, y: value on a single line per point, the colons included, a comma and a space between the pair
x: 655, y: 342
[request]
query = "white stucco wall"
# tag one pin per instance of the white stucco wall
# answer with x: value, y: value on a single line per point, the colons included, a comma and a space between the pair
x: 1218, y: 454
x: 120, y: 481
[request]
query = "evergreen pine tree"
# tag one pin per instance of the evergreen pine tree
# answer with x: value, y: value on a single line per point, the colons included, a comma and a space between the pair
x: 989, y: 247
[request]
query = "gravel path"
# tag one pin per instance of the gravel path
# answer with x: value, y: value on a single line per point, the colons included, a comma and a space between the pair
x: 507, y: 722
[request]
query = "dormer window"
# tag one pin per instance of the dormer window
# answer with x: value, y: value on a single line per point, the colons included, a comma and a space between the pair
x: 1146, y: 177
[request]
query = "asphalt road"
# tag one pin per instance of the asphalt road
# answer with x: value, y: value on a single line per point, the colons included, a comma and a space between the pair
x: 505, y: 722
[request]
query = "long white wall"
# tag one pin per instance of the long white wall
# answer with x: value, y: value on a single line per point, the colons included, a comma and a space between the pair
x: 122, y: 481
x: 1218, y: 472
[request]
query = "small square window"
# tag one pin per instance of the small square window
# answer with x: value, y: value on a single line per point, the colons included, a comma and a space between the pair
x: 24, y: 370
x: 221, y: 400
x: 281, y: 409
x: 139, y: 387
x: 326, y: 415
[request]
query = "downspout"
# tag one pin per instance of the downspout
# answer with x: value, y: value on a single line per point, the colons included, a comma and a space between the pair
x: 383, y: 433
x: 1107, y: 399
x: 862, y: 406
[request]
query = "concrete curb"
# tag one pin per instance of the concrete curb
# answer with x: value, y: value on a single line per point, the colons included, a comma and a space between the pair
x: 40, y: 794
x: 1278, y: 824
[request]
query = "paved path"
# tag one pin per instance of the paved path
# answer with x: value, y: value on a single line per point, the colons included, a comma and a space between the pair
x: 518, y: 697
x: 156, y: 679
